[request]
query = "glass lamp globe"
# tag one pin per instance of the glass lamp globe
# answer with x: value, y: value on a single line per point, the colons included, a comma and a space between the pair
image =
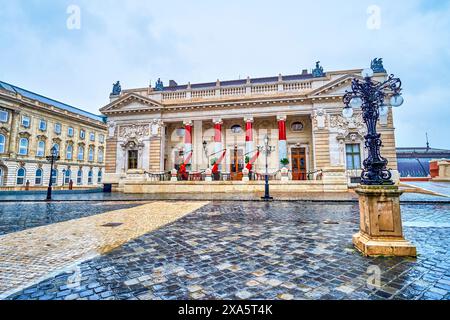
x: 397, y: 100
x: 367, y: 73
x: 356, y: 102
x: 384, y: 110
x: 347, y: 112
x: 266, y: 140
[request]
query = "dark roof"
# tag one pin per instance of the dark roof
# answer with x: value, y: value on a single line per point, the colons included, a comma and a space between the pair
x: 45, y: 100
x: 239, y: 82
x: 409, y: 167
x: 422, y: 152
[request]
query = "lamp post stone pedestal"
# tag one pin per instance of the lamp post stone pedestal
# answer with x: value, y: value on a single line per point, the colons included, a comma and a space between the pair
x: 381, y: 231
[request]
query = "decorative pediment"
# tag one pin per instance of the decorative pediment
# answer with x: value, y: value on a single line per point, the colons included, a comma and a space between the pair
x: 42, y: 137
x: 24, y: 134
x: 337, y: 87
x: 56, y: 140
x: 132, y: 102
x: 4, y: 130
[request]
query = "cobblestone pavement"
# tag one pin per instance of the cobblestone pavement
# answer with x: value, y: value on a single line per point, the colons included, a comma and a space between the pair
x: 20, y: 216
x: 253, y: 250
x: 34, y: 254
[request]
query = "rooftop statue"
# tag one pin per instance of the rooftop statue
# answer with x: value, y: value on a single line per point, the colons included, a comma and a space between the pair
x: 159, y: 86
x: 318, y: 71
x: 377, y: 65
x: 117, y: 89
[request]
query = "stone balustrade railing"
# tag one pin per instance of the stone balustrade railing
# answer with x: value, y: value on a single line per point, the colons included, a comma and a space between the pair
x: 236, y: 91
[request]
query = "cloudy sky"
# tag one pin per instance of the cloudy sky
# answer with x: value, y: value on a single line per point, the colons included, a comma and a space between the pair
x: 136, y: 41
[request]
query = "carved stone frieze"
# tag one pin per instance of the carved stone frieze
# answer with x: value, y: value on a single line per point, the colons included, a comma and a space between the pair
x: 134, y: 131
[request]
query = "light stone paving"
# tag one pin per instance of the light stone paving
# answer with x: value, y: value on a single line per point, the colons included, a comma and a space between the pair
x: 31, y: 255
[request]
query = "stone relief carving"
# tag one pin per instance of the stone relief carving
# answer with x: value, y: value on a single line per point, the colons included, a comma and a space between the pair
x: 319, y: 119
x: 154, y: 127
x: 134, y: 131
x: 344, y: 127
x: 111, y: 128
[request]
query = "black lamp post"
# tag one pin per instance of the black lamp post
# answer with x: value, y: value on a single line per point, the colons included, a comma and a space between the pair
x: 370, y: 95
x: 267, y: 151
x: 52, y: 158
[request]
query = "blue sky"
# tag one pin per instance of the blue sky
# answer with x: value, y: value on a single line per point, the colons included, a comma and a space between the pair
x: 137, y: 41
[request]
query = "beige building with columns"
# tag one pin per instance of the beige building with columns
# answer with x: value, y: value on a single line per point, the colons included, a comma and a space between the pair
x: 30, y: 125
x: 155, y: 130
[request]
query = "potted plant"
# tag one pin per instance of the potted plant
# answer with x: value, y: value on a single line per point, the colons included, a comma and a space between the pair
x: 285, y: 162
x: 247, y: 159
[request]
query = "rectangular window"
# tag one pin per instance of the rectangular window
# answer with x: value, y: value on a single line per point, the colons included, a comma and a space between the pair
x: 42, y: 125
x: 82, y: 134
x: 353, y: 154
x: 92, y: 136
x: 57, y: 128
x: 3, y: 116
x: 70, y: 132
x: 101, y: 138
x: 26, y: 121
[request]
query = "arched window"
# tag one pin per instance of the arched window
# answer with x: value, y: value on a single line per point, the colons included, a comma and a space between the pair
x: 67, y: 175
x: 69, y: 152
x: 90, y: 175
x: 91, y: 154
x: 236, y: 129
x: 99, y: 177
x: 100, y: 155
x: 79, y: 177
x: 23, y: 146
x: 38, y: 179
x: 2, y: 143
x: 180, y: 132
x: 80, y: 153
x: 54, y: 176
x: 56, y: 146
x: 40, y: 152
x: 21, y: 173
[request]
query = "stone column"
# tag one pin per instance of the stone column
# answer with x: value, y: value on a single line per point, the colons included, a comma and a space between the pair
x: 381, y: 232
x: 282, y: 144
x: 249, y: 145
x: 218, y: 144
x: 187, y: 139
x: 198, y: 157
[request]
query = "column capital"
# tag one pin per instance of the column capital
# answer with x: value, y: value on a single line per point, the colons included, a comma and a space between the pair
x: 249, y: 119
x: 282, y: 117
x: 188, y: 123
x: 218, y: 121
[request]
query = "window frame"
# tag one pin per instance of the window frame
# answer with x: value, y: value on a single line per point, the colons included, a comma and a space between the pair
x: 40, y: 177
x: 92, y: 136
x: 69, y: 152
x: 20, y: 147
x: 3, y: 144
x: 353, y: 153
x: 90, y: 177
x: 82, y: 134
x: 57, y: 125
x: 91, y: 154
x: 38, y: 149
x: 69, y: 129
x: 42, y: 121
x: 6, y: 118
x: 28, y: 118
x: 21, y: 177
x: 79, y: 177
x: 80, y: 148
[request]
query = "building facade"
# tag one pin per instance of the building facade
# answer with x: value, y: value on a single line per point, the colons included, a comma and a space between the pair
x: 31, y: 124
x: 161, y: 128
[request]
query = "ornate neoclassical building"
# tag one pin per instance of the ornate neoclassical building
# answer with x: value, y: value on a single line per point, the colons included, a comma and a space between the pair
x: 31, y: 124
x: 216, y: 129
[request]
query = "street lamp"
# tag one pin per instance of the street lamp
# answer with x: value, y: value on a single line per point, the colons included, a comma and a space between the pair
x: 54, y: 156
x: 370, y: 96
x: 267, y: 151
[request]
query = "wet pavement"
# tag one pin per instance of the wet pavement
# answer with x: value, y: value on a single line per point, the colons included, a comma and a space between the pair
x: 254, y: 250
x: 18, y: 216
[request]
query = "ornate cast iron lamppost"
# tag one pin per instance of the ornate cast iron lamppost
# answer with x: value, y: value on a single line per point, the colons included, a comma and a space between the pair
x: 53, y: 157
x: 381, y: 231
x: 370, y: 96
x: 267, y: 149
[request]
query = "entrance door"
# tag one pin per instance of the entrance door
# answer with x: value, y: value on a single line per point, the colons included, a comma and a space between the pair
x: 237, y: 164
x: 298, y: 158
x: 132, y: 159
